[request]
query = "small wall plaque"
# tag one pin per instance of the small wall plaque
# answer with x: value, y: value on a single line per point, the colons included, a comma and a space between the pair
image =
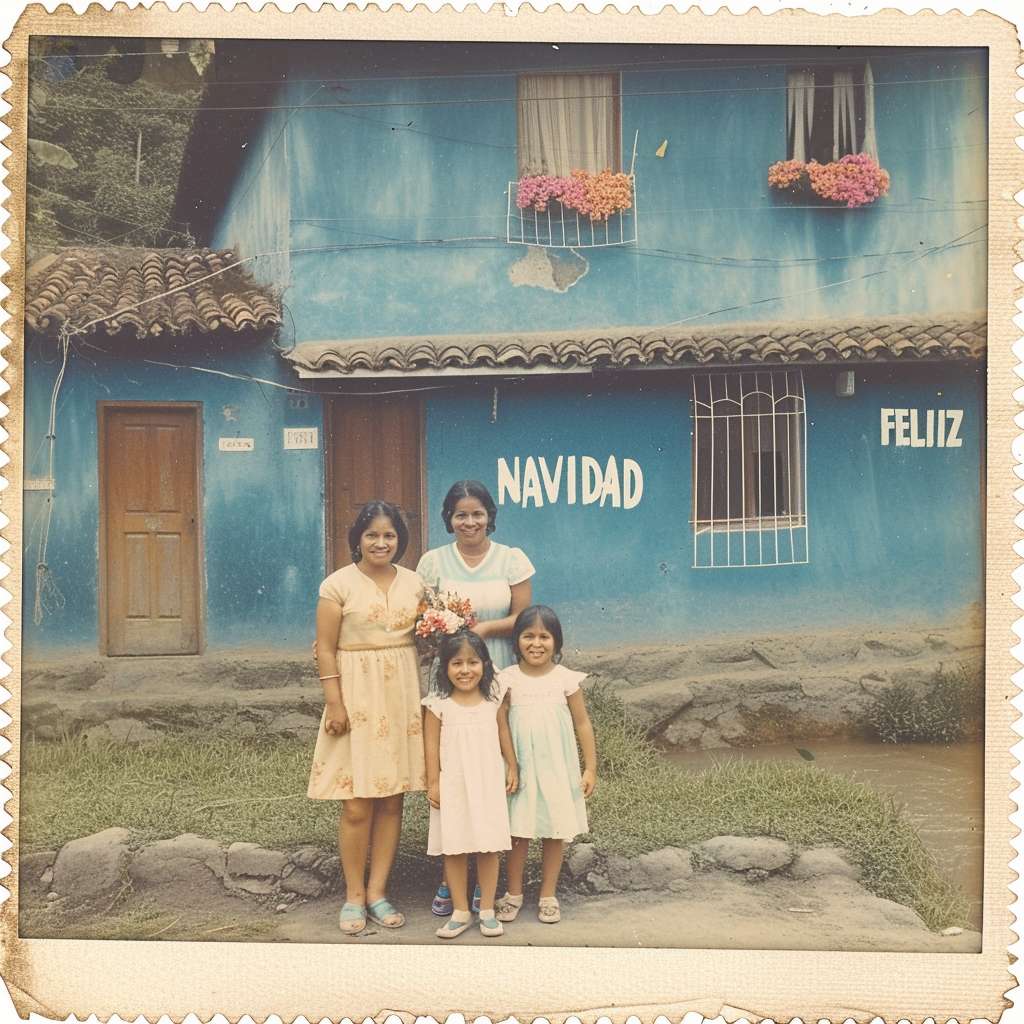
x: 301, y: 437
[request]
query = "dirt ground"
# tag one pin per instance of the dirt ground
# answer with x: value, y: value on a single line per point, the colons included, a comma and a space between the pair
x: 711, y: 910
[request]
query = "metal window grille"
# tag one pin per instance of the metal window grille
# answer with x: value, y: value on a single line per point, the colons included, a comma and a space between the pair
x: 559, y: 228
x: 749, y: 469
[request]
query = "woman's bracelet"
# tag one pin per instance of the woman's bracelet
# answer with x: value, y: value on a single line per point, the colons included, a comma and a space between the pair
x: 337, y: 675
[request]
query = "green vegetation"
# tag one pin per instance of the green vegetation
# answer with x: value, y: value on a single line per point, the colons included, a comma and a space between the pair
x: 945, y: 709
x: 231, y: 788
x: 104, y: 156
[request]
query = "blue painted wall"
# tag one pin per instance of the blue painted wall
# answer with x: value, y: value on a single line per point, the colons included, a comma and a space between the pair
x: 262, y: 510
x: 396, y: 190
x: 894, y: 533
x: 375, y: 198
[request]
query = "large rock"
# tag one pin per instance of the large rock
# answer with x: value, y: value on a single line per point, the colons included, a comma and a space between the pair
x: 582, y: 859
x: 741, y: 853
x: 832, y: 688
x: 660, y: 868
x: 683, y: 732
x: 899, y: 915
x: 303, y: 882
x: 255, y: 861
x: 778, y: 651
x: 657, y: 664
x: 187, y: 858
x: 825, y: 860
x: 654, y: 705
x: 713, y: 689
x: 93, y: 866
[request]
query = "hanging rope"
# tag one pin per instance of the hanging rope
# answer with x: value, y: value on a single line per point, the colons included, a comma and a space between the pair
x: 48, y: 595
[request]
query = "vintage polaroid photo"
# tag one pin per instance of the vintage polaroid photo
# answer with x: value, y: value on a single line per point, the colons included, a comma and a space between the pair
x: 623, y: 404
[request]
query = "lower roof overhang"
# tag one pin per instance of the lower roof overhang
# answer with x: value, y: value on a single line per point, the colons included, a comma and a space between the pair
x: 952, y: 336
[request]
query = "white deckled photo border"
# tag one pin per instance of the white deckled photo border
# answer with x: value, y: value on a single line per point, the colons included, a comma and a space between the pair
x: 56, y: 978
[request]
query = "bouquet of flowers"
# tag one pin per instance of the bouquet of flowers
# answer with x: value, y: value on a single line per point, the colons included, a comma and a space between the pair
x: 854, y: 180
x: 437, y: 615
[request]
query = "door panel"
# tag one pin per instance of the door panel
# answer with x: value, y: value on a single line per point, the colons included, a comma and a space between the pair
x: 375, y: 450
x: 149, y: 528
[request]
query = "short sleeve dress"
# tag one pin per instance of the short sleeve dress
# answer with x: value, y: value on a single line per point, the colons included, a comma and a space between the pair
x: 487, y: 586
x: 382, y: 752
x: 473, y: 817
x: 549, y: 803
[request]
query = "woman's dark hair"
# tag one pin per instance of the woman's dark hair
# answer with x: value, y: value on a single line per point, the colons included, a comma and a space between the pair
x: 468, y: 489
x: 367, y: 514
x: 547, y: 618
x: 449, y: 646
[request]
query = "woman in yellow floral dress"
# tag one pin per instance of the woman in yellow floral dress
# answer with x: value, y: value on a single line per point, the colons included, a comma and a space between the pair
x: 369, y: 752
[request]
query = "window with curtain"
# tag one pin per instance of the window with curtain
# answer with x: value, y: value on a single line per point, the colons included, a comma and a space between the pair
x: 567, y: 121
x: 830, y: 112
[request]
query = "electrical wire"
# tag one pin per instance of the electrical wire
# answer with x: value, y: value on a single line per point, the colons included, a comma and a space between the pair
x: 479, y: 101
x: 677, y: 64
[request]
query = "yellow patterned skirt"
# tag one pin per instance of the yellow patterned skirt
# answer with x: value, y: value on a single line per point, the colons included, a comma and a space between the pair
x: 382, y: 753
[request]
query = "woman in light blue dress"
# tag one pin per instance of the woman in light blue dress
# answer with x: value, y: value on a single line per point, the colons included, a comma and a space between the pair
x: 494, y: 578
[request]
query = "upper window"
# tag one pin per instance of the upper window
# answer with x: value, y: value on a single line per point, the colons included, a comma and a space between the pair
x: 567, y: 121
x: 830, y: 112
x: 749, y: 469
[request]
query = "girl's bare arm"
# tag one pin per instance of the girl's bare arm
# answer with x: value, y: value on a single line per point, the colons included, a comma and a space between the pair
x: 588, y: 744
x: 328, y: 629
x: 432, y: 754
x: 508, y: 750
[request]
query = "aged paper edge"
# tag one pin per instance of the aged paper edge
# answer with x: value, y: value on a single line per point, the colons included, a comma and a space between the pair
x: 56, y: 978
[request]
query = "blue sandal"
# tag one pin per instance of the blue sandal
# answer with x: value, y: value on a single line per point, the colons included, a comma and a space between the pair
x: 383, y: 913
x: 352, y: 919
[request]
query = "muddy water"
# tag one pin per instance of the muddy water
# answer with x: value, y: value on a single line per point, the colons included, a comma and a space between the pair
x: 939, y: 787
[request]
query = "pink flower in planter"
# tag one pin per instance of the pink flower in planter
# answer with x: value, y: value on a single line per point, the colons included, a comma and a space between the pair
x: 854, y: 180
x: 596, y: 196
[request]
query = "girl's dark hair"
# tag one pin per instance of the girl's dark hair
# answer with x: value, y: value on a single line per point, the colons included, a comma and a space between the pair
x: 548, y: 619
x: 468, y: 489
x: 367, y: 514
x: 449, y: 646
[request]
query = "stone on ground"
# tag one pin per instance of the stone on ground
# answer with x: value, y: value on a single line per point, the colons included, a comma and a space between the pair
x: 741, y: 853
x: 92, y: 866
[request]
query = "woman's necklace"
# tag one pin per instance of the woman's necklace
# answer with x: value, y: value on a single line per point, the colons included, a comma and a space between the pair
x: 474, y: 560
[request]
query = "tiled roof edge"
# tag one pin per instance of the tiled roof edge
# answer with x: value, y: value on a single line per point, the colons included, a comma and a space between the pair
x: 948, y: 336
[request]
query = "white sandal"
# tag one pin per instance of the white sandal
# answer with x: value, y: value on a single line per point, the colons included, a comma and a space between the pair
x: 456, y: 925
x: 508, y: 907
x: 548, y: 911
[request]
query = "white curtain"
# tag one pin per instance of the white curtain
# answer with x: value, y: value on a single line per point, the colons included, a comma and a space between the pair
x: 799, y: 112
x: 870, y: 144
x: 568, y: 121
x: 844, y: 123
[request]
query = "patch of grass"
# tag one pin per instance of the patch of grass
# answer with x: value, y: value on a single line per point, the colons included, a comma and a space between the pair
x: 231, y: 788
x: 644, y: 803
x: 942, y: 710
x: 224, y: 787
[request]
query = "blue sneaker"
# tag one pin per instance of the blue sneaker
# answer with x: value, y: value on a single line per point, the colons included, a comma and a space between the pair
x: 442, y: 904
x: 476, y: 900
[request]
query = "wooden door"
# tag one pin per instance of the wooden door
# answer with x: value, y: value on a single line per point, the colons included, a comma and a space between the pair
x: 150, y: 579
x: 375, y: 449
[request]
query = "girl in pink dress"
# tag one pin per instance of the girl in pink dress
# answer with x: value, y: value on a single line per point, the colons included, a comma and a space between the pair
x: 465, y: 740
